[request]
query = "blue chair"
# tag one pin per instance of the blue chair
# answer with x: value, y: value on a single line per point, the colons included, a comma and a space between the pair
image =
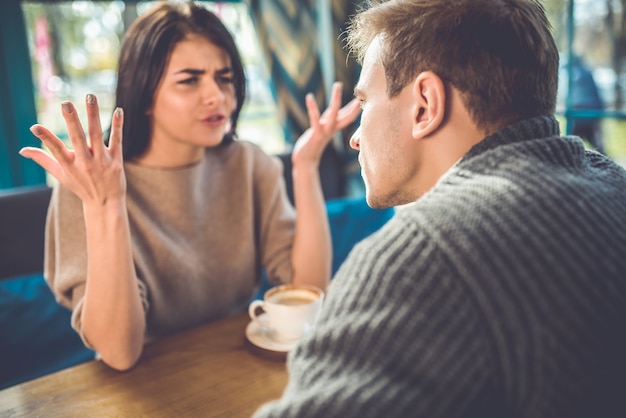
x: 35, y: 333
x: 352, y: 220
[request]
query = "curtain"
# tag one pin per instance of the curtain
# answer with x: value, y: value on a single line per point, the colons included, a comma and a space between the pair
x: 347, y: 70
x: 286, y: 31
x: 289, y: 35
x: 17, y: 106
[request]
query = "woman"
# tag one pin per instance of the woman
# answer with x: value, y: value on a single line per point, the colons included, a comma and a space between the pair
x: 172, y: 226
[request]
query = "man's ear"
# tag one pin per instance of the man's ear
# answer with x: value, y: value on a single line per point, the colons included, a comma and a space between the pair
x: 430, y: 104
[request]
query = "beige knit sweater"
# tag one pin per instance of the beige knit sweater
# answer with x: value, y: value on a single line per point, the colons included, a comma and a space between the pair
x: 201, y: 236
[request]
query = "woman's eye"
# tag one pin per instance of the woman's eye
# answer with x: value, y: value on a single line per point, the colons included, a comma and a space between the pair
x: 190, y: 80
x: 225, y: 80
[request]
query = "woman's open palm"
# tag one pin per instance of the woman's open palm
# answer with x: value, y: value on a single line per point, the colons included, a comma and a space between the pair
x: 91, y: 169
x: 311, y: 144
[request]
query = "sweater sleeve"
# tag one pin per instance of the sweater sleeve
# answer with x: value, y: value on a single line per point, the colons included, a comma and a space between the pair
x: 397, y: 338
x: 65, y: 257
x: 276, y: 218
x: 65, y: 248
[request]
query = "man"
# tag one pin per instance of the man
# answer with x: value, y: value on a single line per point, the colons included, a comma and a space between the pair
x: 501, y: 290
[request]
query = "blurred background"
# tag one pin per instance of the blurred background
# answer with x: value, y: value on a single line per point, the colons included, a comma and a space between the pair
x: 61, y: 50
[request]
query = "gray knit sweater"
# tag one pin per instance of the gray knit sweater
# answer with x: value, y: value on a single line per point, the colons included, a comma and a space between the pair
x: 500, y: 293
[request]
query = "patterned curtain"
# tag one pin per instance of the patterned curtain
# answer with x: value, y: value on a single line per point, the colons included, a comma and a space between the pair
x: 289, y: 36
x: 346, y: 68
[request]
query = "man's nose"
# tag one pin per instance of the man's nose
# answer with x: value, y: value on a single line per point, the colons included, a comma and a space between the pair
x: 355, y: 139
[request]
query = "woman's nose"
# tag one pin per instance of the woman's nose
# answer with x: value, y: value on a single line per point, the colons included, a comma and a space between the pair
x: 211, y: 93
x: 355, y: 139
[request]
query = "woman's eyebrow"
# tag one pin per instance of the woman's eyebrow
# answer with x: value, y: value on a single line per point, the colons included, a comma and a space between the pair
x: 194, y: 71
x: 190, y: 71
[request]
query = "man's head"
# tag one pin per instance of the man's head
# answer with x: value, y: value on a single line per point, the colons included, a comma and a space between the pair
x: 500, y: 54
x: 484, y: 63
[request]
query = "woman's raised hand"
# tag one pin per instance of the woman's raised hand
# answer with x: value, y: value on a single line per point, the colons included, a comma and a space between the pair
x: 311, y: 144
x: 92, y: 170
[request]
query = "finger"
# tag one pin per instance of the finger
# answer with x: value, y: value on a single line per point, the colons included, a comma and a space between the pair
x: 42, y: 158
x: 348, y: 113
x: 75, y: 130
x: 56, y: 147
x: 312, y: 109
x: 93, y: 125
x: 335, y: 98
x: 115, y: 138
x: 335, y: 102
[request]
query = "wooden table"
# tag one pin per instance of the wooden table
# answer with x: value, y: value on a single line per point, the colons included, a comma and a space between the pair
x: 209, y: 371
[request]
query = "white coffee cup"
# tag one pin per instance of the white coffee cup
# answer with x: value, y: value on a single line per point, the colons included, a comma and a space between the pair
x: 290, y: 311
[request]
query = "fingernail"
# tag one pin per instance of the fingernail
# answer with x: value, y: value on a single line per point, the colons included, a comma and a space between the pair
x: 36, y: 130
x: 119, y: 112
x: 91, y: 99
x: 67, y: 107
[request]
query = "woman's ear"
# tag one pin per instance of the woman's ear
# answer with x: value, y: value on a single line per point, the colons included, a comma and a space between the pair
x: 430, y: 104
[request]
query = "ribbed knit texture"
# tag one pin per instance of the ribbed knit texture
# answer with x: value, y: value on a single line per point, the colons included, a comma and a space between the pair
x: 200, y: 237
x: 500, y: 293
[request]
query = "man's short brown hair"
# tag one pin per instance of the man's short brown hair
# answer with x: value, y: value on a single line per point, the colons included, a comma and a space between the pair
x: 500, y: 54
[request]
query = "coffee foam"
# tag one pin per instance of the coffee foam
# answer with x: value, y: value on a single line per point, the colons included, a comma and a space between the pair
x: 294, y: 297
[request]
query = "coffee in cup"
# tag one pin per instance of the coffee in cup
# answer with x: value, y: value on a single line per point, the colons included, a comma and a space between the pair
x: 290, y: 311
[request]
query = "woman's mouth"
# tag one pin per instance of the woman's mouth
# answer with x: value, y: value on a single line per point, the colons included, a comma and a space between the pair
x: 214, y: 120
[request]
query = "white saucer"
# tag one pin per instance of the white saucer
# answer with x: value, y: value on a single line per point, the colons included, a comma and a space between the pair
x: 260, y: 337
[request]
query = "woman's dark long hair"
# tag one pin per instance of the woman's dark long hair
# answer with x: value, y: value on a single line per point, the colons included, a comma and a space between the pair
x: 146, y: 48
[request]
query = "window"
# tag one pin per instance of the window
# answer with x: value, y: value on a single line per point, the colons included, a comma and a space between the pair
x: 74, y: 47
x: 592, y: 76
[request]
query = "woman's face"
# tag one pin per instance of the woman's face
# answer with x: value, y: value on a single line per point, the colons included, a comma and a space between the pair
x: 192, y: 105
